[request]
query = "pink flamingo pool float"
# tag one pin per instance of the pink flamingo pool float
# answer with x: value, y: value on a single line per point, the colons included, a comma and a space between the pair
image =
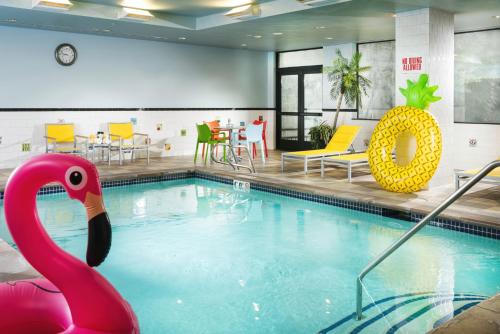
x: 72, y: 297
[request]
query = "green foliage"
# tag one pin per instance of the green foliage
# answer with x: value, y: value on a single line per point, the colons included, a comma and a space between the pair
x: 347, y: 82
x: 419, y: 94
x: 321, y: 135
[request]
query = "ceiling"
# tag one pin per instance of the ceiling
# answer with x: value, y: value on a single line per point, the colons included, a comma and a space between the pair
x: 178, y: 7
x: 282, y: 25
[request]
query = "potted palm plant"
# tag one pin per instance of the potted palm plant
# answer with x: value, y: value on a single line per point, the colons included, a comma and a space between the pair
x: 348, y: 84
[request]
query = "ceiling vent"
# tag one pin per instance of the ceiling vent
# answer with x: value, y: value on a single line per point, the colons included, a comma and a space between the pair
x: 244, y: 12
x: 135, y: 14
x: 314, y: 3
x: 52, y: 4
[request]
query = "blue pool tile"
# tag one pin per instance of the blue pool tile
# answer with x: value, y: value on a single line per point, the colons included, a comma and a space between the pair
x: 445, y: 223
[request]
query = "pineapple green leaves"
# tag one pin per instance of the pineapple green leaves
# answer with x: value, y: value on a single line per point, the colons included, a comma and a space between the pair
x: 419, y: 94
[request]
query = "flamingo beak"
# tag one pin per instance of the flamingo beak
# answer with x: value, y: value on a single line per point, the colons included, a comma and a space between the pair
x: 99, y: 239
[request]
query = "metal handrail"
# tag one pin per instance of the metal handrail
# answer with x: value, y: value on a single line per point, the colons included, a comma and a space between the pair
x: 231, y: 152
x: 446, y: 203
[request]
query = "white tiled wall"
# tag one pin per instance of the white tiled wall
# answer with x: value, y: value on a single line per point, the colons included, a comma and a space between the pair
x: 486, y: 150
x: 17, y: 128
x: 132, y: 73
x: 429, y: 33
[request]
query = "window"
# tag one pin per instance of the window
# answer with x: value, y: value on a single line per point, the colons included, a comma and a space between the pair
x: 301, y: 58
x: 380, y: 56
x: 477, y: 77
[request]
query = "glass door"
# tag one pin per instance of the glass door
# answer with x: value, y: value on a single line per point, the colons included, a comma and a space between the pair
x: 299, y: 105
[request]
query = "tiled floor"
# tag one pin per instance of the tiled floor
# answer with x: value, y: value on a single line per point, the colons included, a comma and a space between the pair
x: 481, y: 319
x: 481, y: 205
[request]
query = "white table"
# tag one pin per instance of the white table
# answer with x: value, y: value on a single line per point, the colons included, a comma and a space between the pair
x: 102, y: 147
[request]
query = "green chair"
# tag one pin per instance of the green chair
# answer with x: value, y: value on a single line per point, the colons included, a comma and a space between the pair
x: 205, y: 136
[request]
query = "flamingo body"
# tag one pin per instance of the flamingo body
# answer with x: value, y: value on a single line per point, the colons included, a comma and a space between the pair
x: 72, y: 298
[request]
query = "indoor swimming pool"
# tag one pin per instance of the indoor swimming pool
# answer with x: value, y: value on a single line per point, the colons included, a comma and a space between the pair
x: 196, y: 256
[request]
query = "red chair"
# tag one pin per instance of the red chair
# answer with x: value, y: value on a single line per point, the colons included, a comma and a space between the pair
x: 254, y: 147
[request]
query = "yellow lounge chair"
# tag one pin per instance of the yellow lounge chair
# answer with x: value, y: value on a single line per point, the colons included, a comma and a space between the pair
x: 492, y: 177
x: 345, y: 160
x: 339, y: 144
x: 61, y: 138
x: 124, y: 140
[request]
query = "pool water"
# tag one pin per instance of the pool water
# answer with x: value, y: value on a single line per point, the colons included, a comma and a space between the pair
x: 195, y: 256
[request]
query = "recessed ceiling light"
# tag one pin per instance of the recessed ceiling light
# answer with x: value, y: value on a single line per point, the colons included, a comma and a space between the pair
x: 394, y: 15
x: 257, y: 36
x: 135, y: 14
x: 106, y: 30
x: 496, y: 17
x: 314, y: 3
x: 328, y: 37
x: 244, y: 12
x: 243, y: 45
x: 182, y: 38
x: 320, y: 27
x: 139, y: 4
x: 277, y: 33
x: 52, y: 4
x: 156, y: 37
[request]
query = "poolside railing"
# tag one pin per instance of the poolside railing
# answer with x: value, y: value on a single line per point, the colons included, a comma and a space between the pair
x: 440, y: 208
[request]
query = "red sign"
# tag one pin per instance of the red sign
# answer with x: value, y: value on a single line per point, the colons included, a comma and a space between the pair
x: 412, y: 64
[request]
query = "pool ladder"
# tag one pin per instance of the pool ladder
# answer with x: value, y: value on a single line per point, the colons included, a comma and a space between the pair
x: 446, y: 203
x: 232, y: 159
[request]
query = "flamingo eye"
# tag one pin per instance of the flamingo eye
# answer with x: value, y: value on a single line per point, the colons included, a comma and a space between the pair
x: 76, y: 178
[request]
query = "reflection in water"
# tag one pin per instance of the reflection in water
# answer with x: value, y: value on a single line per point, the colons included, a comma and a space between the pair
x: 426, y: 263
x: 203, y: 255
x: 231, y: 206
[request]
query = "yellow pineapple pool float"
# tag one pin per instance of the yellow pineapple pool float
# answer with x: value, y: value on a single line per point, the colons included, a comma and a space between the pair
x: 400, y: 120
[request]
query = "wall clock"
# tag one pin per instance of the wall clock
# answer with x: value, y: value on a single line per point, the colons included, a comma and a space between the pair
x: 66, y: 54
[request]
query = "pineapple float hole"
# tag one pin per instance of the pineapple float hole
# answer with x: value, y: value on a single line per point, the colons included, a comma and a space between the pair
x: 406, y: 148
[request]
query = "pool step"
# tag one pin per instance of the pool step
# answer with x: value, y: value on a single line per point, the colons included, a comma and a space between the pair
x: 408, y: 313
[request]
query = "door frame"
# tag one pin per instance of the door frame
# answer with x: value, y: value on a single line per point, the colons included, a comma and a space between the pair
x: 300, y: 71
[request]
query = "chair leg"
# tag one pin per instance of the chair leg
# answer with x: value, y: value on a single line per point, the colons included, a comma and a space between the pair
x: 249, y: 151
x: 265, y: 146
x: 254, y: 150
x: 196, y: 151
x: 349, y: 172
x: 147, y: 153
x: 262, y: 152
x: 206, y: 153
x: 203, y: 152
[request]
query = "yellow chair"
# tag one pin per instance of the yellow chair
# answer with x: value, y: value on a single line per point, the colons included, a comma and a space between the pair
x: 61, y: 138
x: 339, y: 144
x: 493, y: 177
x: 125, y: 140
x: 345, y: 160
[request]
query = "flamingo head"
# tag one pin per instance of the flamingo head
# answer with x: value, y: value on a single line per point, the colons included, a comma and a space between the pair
x: 81, y: 180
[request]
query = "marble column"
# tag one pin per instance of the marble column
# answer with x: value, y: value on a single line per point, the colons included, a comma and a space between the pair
x: 425, y: 44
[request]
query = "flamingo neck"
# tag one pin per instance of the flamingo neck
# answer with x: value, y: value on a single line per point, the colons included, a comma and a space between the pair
x: 90, y: 296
